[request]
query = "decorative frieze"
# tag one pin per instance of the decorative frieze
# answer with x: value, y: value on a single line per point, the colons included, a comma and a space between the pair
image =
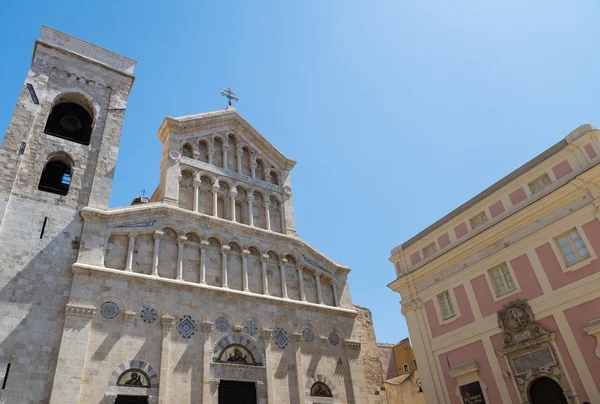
x: 166, y: 323
x: 80, y: 310
x: 207, y: 327
x: 352, y: 344
x: 129, y: 316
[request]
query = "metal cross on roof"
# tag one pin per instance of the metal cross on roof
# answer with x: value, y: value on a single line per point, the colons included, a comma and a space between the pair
x: 228, y: 92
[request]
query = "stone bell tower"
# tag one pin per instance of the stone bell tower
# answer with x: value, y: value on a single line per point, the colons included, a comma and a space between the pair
x: 58, y: 156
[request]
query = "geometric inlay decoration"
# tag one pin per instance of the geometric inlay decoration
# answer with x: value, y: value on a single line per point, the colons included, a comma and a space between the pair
x: 134, y: 378
x: 281, y: 338
x: 187, y: 327
x: 334, y: 339
x: 308, y: 335
x: 109, y: 310
x: 250, y: 327
x: 222, y: 324
x: 148, y: 314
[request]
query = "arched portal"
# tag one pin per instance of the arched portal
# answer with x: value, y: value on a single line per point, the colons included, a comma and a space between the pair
x: 546, y: 391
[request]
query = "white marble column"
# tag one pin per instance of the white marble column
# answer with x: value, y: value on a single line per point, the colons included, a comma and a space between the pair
x: 203, y: 246
x: 245, y: 254
x: 319, y: 289
x: 225, y: 155
x: 215, y: 192
x: 253, y: 167
x: 129, y: 266
x: 239, y: 160
x: 282, y: 214
x: 211, y: 151
x: 196, y: 187
x: 267, y: 213
x: 224, y: 250
x: 250, y: 199
x: 232, y: 194
x: 157, y: 235
x: 265, y: 281
x: 336, y: 298
x: 301, y: 281
x: 284, y: 292
x: 180, y: 244
x: 163, y: 381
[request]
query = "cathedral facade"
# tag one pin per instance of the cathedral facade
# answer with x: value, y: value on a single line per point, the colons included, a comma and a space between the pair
x: 202, y: 294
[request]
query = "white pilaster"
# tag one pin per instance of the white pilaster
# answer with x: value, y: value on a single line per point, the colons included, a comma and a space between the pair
x: 267, y: 214
x: 163, y: 381
x: 250, y: 199
x: 196, y: 187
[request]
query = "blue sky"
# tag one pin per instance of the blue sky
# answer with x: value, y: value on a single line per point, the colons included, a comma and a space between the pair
x: 396, y: 111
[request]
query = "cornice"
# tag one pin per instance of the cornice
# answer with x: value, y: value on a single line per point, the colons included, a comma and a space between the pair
x: 520, y: 219
x: 149, y: 212
x: 101, y: 272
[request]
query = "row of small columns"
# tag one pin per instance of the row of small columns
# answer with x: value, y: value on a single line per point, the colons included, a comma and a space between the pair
x: 239, y: 152
x: 232, y: 195
x: 224, y: 250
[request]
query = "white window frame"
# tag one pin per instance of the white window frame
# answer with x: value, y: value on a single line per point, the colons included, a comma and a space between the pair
x: 541, y: 180
x: 438, y: 309
x: 473, y: 221
x: 492, y: 287
x: 406, y: 368
x: 562, y: 259
x: 429, y: 250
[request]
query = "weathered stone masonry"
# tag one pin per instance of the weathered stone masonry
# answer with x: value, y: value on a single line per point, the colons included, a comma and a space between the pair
x: 170, y: 300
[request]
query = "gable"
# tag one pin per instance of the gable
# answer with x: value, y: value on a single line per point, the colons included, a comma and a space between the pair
x: 220, y: 124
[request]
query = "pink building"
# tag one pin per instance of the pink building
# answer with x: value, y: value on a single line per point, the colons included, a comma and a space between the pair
x: 502, y: 295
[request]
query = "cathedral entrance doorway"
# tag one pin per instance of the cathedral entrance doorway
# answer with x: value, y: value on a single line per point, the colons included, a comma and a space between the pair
x: 131, y: 400
x: 546, y: 391
x: 231, y: 392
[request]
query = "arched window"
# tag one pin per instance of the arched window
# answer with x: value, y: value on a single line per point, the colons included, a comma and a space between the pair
x: 274, y: 215
x: 187, y: 151
x: 320, y: 389
x: 70, y: 120
x: 56, y: 177
x: 218, y: 153
x: 231, y: 153
x: 260, y: 170
x: 274, y: 178
x: 246, y: 170
x: 203, y: 152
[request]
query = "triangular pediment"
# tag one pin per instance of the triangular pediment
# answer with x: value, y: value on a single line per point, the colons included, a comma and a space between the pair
x: 224, y: 121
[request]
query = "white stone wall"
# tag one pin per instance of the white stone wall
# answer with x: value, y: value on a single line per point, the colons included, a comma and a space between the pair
x: 35, y: 278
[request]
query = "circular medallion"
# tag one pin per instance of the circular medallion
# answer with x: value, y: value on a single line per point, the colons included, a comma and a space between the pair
x: 308, y: 335
x: 222, y: 324
x: 148, y: 314
x: 250, y: 327
x: 109, y: 310
x: 334, y: 339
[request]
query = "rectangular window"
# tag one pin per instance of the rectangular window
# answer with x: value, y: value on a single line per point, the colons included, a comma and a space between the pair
x: 502, y: 280
x: 446, y: 306
x: 429, y: 250
x: 572, y: 247
x: 478, y: 220
x: 540, y: 183
x: 405, y: 367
